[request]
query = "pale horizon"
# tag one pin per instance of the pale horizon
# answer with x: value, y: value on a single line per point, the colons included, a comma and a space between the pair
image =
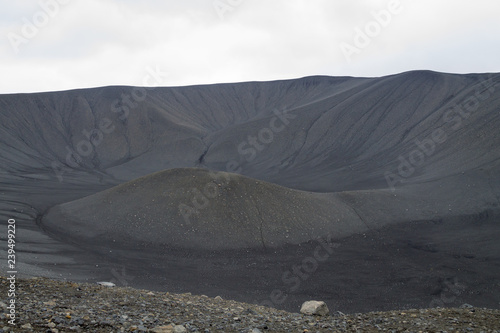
x: 54, y: 45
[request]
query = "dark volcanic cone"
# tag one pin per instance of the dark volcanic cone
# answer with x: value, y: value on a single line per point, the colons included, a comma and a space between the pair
x: 199, y: 209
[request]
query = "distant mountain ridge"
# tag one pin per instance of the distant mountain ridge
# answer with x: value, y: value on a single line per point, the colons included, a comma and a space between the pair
x: 340, y: 134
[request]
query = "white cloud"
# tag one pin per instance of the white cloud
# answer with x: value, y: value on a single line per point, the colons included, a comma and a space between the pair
x: 95, y: 43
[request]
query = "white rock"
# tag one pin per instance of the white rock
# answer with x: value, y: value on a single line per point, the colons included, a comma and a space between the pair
x: 179, y: 329
x: 317, y: 308
x: 106, y: 284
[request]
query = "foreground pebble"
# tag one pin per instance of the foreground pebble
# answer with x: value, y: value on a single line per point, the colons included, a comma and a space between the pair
x: 315, y: 308
x: 45, y: 305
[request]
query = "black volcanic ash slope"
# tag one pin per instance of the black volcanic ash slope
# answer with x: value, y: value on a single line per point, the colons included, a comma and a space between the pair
x: 198, y: 209
x: 341, y: 137
x: 192, y: 208
x: 341, y: 134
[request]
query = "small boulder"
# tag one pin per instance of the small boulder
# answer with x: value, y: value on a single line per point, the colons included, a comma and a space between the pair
x: 106, y: 284
x: 316, y: 308
x: 179, y: 329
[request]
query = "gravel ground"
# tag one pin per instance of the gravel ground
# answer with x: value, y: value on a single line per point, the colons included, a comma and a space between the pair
x: 44, y: 305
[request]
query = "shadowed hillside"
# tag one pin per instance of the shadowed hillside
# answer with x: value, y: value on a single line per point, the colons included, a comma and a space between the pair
x: 198, y: 209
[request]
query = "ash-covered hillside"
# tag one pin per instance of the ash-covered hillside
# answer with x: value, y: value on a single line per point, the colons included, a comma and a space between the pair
x: 402, y: 172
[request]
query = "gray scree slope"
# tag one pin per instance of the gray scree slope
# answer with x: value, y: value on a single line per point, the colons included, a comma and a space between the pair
x: 304, y: 158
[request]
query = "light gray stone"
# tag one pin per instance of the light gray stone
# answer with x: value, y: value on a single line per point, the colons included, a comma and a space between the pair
x: 317, y: 308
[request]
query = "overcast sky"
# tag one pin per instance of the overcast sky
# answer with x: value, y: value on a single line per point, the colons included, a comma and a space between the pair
x: 51, y: 45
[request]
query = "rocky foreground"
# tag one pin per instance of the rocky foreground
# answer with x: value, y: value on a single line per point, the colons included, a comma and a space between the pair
x: 44, y: 305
